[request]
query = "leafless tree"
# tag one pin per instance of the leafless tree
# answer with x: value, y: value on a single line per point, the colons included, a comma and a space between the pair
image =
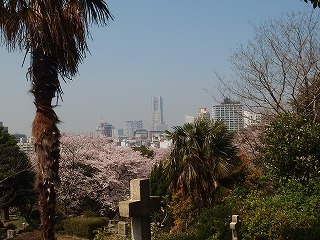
x: 279, y: 70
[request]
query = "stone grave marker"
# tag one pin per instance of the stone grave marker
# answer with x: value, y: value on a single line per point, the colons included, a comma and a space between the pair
x: 122, y: 230
x: 234, y: 226
x: 139, y: 208
x: 4, y: 214
x: 11, y: 234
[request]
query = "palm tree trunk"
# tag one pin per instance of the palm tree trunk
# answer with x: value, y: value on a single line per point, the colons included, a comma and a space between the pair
x: 46, y: 135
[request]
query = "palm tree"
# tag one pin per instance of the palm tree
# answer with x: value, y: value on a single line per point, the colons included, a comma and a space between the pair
x: 202, y: 158
x: 54, y: 32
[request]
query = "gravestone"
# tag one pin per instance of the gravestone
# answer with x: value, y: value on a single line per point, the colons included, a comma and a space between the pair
x: 4, y: 214
x: 11, y: 234
x: 122, y: 230
x: 234, y: 226
x: 139, y: 208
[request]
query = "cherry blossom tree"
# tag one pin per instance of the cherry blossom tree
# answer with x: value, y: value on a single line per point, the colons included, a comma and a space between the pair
x: 93, y: 168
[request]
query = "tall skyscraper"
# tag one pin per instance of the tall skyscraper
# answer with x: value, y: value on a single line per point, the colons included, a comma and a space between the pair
x: 230, y: 112
x: 157, y: 114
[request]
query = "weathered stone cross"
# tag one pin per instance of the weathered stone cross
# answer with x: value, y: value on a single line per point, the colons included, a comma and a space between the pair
x: 139, y: 208
x: 234, y: 226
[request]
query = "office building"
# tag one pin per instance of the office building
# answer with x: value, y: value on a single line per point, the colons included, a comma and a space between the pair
x: 188, y: 119
x: 231, y: 113
x: 203, y: 114
x: 157, y: 114
x: 105, y: 129
x: 131, y: 126
x: 26, y: 145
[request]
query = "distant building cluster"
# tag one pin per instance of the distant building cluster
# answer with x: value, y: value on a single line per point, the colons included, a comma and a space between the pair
x: 133, y: 133
x: 25, y: 143
x: 232, y: 114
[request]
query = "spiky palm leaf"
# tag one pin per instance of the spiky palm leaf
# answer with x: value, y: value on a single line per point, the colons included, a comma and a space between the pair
x: 202, y: 154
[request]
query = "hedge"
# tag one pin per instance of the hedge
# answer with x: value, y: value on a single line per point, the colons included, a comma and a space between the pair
x: 84, y: 227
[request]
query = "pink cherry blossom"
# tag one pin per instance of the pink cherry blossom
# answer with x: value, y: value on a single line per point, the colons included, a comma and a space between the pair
x: 96, y: 168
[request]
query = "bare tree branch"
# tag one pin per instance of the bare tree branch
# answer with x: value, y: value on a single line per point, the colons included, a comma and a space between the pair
x: 278, y: 71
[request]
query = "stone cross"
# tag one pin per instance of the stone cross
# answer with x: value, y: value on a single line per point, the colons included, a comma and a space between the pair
x: 234, y: 226
x: 139, y: 208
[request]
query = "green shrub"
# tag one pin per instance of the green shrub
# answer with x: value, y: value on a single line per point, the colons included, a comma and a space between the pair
x: 291, y: 212
x: 213, y: 223
x: 84, y: 227
x: 11, y: 226
x: 29, y: 228
x: 88, y: 213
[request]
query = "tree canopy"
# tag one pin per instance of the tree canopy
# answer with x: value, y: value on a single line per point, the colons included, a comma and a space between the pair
x: 291, y: 148
x: 278, y: 70
x: 202, y: 156
x: 55, y: 34
x: 16, y: 175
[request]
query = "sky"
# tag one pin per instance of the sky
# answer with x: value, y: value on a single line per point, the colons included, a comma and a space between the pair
x: 168, y: 48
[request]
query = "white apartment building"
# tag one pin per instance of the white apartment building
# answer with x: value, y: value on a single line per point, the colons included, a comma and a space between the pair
x: 231, y: 113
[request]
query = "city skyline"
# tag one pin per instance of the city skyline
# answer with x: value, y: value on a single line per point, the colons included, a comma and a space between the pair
x: 143, y: 53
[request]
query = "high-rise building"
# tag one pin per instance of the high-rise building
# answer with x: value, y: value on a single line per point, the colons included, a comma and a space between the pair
x: 230, y: 112
x: 131, y: 126
x: 157, y: 114
x: 105, y: 129
x: 203, y: 114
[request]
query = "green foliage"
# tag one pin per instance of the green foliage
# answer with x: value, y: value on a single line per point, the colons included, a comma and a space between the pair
x: 84, y: 227
x: 159, y: 182
x: 144, y: 151
x: 11, y: 226
x: 291, y: 148
x: 291, y: 212
x: 213, y: 223
x: 16, y: 176
x: 89, y: 205
x: 203, y: 154
x: 103, y: 234
x: 107, y: 233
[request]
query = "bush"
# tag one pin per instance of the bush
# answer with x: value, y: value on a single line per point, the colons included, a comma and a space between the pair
x: 11, y: 226
x: 84, y: 227
x: 213, y: 223
x: 291, y: 212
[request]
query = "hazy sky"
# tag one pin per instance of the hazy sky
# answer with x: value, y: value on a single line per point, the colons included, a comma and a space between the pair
x: 152, y: 48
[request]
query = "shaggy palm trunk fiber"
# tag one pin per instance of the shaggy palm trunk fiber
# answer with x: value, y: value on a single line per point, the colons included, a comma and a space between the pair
x: 46, y: 135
